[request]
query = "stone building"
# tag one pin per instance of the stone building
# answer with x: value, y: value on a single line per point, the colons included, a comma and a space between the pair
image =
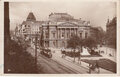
x: 57, y: 30
x: 29, y: 28
x: 111, y: 32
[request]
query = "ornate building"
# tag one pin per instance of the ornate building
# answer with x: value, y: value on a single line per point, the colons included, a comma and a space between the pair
x: 29, y: 28
x: 57, y: 30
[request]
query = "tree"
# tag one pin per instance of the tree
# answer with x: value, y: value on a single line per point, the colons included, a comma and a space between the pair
x: 75, y: 42
x: 90, y: 43
x: 19, y: 60
x: 97, y: 33
x: 23, y: 43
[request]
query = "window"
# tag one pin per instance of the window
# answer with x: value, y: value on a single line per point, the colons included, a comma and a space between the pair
x: 72, y: 34
x: 46, y: 33
x: 23, y: 29
x: 53, y: 35
x: 59, y: 35
x: 67, y: 35
x: 63, y: 34
x: 86, y: 35
x: 63, y: 44
x: 54, y: 43
x: 25, y: 25
x: 80, y: 35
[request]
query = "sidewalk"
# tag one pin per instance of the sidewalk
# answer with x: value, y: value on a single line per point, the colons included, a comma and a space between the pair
x: 83, y: 64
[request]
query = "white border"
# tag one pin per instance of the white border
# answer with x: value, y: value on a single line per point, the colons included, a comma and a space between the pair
x: 57, y: 75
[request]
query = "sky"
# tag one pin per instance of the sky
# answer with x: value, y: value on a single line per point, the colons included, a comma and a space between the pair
x: 95, y: 12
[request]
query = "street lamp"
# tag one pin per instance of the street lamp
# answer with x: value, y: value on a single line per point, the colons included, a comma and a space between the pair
x: 36, y: 40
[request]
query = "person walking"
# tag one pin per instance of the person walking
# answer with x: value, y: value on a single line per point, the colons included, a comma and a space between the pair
x: 97, y: 66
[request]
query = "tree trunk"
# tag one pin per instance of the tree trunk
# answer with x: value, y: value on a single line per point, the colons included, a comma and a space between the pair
x: 80, y: 53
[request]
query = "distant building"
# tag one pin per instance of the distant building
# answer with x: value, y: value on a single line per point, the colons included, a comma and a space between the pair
x: 111, y: 25
x: 57, y: 30
x: 111, y: 32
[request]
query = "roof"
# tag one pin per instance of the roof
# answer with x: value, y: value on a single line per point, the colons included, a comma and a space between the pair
x: 32, y: 22
x: 61, y: 13
x: 60, y: 17
x: 31, y: 17
x: 58, y: 14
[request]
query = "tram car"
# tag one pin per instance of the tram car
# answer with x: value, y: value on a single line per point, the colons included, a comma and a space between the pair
x: 46, y: 52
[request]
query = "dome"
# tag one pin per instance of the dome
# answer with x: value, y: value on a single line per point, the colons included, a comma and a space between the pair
x: 60, y: 17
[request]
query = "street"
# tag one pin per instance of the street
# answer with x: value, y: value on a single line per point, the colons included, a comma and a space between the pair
x: 56, y: 65
x: 59, y: 65
x: 49, y: 66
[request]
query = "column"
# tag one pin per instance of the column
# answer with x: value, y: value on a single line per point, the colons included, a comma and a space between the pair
x: 65, y: 33
x: 57, y: 39
x: 60, y: 33
x: 60, y: 44
x: 57, y: 33
x: 70, y: 32
x: 76, y: 31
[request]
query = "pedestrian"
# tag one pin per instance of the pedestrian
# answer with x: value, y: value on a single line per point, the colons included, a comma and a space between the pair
x: 90, y: 66
x: 79, y: 58
x: 64, y: 53
x: 97, y: 66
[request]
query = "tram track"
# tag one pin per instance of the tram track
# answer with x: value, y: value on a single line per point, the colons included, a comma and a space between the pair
x: 63, y: 68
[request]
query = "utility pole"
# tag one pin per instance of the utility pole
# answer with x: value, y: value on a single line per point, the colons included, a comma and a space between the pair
x: 48, y: 31
x: 6, y: 27
x: 6, y: 35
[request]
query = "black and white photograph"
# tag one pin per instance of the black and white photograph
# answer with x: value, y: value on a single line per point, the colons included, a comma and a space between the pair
x: 60, y: 37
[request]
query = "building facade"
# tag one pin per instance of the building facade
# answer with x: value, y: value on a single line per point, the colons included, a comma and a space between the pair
x: 57, y: 30
x: 111, y: 32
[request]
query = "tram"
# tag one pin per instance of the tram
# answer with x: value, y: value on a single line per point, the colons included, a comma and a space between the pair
x: 46, y: 52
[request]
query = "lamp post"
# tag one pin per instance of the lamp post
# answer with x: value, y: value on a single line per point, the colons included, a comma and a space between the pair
x: 36, y: 40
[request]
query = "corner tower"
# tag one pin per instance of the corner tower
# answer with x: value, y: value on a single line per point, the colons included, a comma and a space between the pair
x: 31, y: 17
